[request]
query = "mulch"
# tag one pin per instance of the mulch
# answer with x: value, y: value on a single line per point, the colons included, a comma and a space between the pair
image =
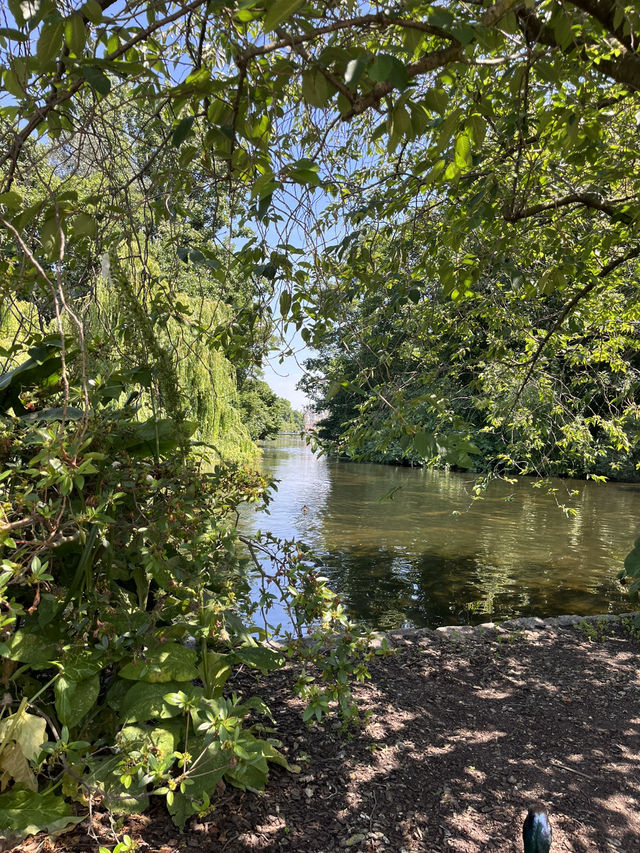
x: 464, y: 732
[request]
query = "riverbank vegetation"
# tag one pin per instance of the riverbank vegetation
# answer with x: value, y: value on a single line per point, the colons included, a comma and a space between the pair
x: 441, y: 199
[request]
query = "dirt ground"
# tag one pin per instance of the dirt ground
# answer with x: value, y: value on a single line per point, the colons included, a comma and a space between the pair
x: 465, y: 731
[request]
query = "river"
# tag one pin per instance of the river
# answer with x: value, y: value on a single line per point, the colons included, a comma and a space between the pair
x: 432, y: 556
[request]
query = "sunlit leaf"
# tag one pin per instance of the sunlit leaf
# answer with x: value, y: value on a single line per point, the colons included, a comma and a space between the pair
x: 50, y: 40
x: 25, y: 813
x: 279, y: 11
x: 168, y: 662
x: 74, y: 699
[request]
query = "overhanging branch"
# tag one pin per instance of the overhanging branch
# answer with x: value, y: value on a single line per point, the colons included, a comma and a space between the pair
x: 579, y: 296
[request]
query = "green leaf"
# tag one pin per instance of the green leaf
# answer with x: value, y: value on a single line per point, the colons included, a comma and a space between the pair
x: 80, y: 664
x: 562, y: 29
x: 50, y: 238
x: 259, y: 657
x: 632, y: 563
x: 145, y: 701
x: 306, y: 176
x: 161, y: 739
x: 463, y: 152
x: 425, y: 444
x: 25, y: 10
x: 252, y: 771
x: 25, y: 813
x: 13, y: 85
x: 12, y: 200
x: 75, y: 34
x: 218, y: 670
x: 279, y: 11
x: 316, y: 89
x: 97, y: 79
x: 182, y: 131
x: 436, y: 100
x: 401, y: 121
x: 285, y: 302
x: 92, y: 10
x: 389, y: 69
x: 31, y: 648
x: 276, y: 757
x: 169, y: 662
x: 405, y: 441
x: 439, y: 17
x: 105, y: 773
x: 477, y: 128
x: 207, y: 773
x: 14, y: 35
x: 83, y: 224
x: 412, y: 39
x: 464, y: 33
x: 50, y: 41
x: 150, y: 436
x: 74, y: 699
x: 71, y: 413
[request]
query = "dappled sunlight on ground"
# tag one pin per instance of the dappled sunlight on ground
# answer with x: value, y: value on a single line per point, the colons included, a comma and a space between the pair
x: 463, y: 735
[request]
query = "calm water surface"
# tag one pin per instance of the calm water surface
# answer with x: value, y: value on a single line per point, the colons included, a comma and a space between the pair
x: 431, y: 556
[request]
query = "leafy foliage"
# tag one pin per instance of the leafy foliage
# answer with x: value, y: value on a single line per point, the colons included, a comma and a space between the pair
x: 264, y: 413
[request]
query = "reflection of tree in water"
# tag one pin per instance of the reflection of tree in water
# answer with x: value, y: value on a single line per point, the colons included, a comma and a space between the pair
x: 390, y: 590
x: 411, y: 561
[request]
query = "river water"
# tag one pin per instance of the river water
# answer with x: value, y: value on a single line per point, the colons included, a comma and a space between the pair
x: 432, y: 556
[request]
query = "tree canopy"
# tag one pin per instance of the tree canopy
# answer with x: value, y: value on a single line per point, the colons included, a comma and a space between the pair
x: 490, y: 147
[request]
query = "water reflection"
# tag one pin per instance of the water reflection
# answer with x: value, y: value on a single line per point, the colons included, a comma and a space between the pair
x: 432, y: 556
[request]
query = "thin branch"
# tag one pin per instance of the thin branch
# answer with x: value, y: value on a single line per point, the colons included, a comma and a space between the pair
x: 579, y: 296
x: 41, y: 112
x: 590, y: 200
x: 380, y: 20
x: 431, y: 61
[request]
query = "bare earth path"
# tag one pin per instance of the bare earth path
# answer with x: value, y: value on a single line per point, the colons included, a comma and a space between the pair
x: 465, y: 731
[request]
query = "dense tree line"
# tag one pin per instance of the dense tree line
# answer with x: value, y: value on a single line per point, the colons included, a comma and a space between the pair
x: 450, y: 371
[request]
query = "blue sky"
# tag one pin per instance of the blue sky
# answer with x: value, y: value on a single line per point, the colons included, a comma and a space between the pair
x: 283, y: 377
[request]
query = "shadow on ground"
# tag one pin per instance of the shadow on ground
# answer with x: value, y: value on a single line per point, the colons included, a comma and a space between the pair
x: 464, y: 733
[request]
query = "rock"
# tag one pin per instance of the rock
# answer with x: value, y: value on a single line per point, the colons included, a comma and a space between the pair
x: 567, y: 621
x: 532, y: 623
